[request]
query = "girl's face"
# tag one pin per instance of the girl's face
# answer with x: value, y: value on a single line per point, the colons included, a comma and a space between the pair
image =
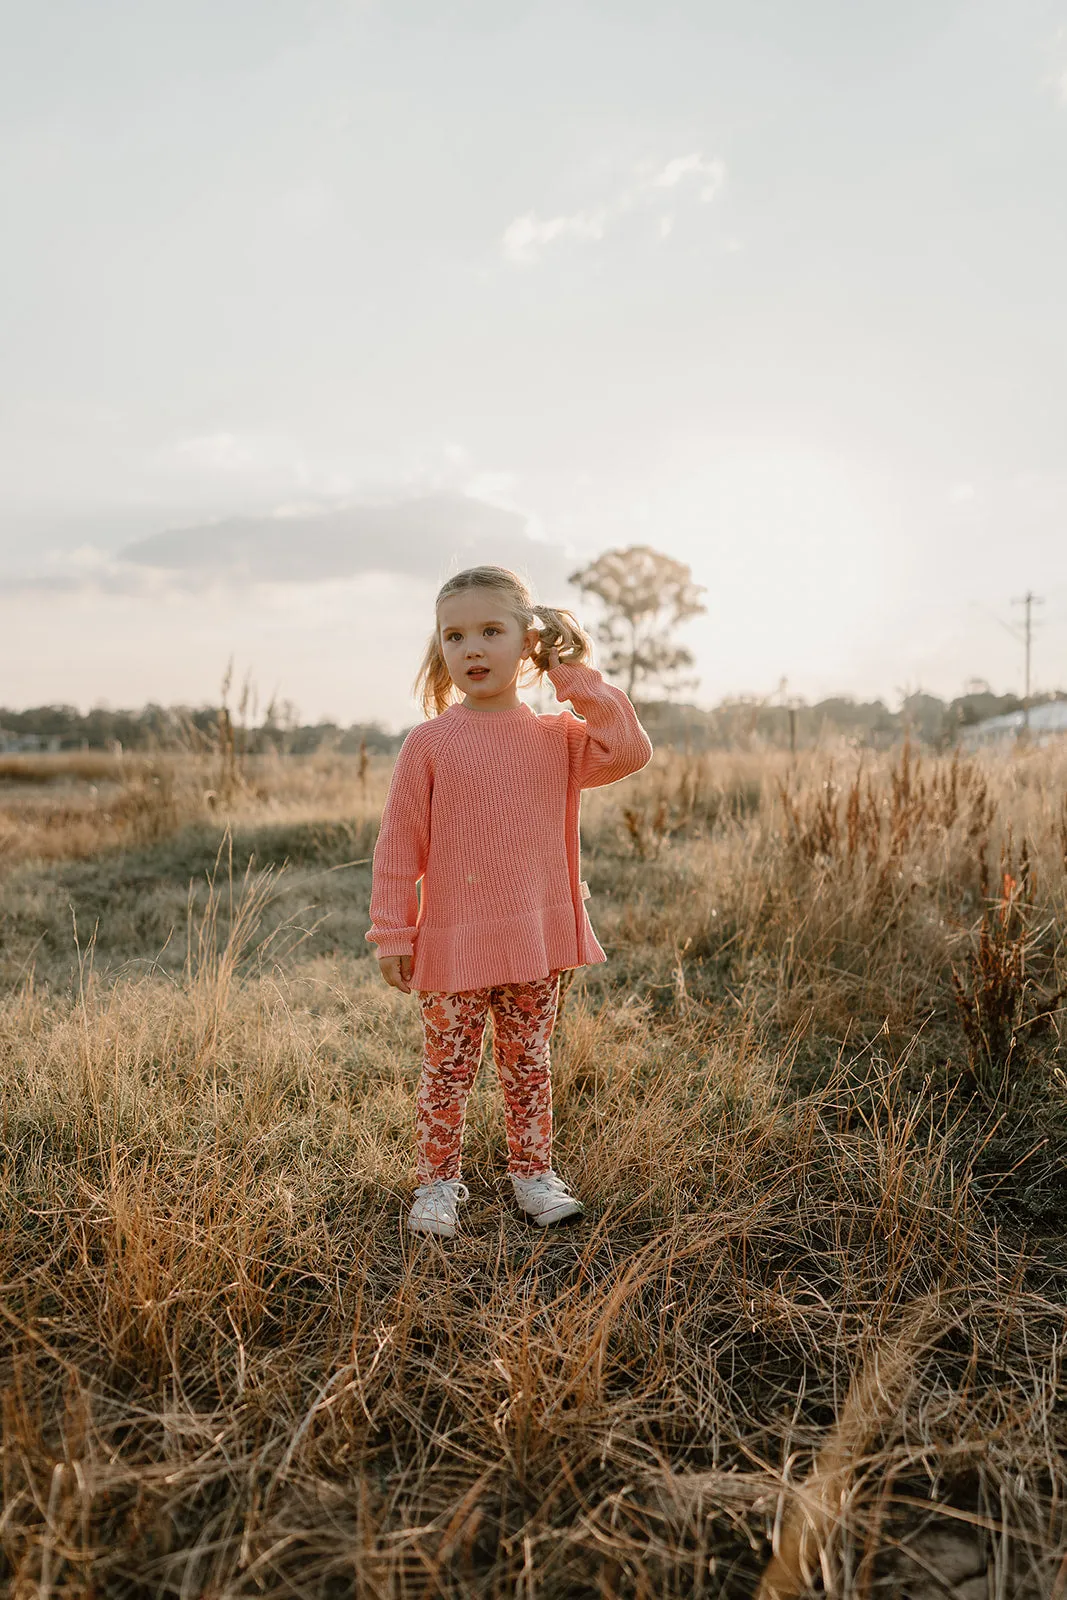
x: 483, y: 646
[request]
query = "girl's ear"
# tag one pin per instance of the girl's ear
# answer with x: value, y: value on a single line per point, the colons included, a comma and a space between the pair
x: 530, y: 638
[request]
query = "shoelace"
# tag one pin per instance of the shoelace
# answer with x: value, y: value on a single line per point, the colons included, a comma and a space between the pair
x: 438, y: 1188
x: 551, y: 1183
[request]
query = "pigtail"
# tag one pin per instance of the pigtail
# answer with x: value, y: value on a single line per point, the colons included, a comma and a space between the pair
x: 433, y: 687
x: 562, y: 629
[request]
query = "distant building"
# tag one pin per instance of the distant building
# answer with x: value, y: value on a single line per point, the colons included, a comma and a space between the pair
x: 1047, y: 722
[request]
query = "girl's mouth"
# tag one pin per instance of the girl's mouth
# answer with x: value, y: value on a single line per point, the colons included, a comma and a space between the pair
x: 477, y: 672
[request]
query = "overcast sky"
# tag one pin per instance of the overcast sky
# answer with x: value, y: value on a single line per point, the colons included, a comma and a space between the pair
x: 308, y: 303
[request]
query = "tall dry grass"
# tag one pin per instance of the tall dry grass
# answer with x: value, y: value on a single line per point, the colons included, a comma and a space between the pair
x: 77, y: 807
x: 847, y: 892
x: 801, y: 1338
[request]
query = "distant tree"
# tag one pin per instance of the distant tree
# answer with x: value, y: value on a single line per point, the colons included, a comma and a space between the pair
x: 924, y: 715
x: 281, y: 722
x: 645, y: 594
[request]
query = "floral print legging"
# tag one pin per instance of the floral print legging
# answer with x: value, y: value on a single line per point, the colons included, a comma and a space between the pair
x: 453, y: 1025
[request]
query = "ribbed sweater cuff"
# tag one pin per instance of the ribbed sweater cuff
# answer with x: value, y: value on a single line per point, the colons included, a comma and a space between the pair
x: 575, y: 675
x: 392, y: 944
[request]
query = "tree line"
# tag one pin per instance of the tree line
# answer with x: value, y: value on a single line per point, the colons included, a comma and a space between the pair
x: 929, y: 720
x: 642, y: 595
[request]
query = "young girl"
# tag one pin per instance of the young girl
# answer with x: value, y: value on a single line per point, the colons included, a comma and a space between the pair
x: 483, y: 808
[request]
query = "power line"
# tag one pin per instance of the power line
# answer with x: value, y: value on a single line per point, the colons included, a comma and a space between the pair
x: 1007, y: 626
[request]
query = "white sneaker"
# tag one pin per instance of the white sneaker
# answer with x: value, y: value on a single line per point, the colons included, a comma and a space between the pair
x: 546, y: 1200
x: 435, y: 1205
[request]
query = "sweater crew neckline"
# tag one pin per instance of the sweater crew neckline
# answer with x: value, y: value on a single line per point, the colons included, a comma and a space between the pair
x: 513, y: 712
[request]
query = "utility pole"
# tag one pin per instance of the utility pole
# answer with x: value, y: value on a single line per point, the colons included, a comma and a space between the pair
x: 1028, y: 600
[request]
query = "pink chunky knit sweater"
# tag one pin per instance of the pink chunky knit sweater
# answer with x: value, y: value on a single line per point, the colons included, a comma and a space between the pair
x: 483, y: 807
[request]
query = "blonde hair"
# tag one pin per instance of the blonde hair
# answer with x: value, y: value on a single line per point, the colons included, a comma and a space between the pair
x: 434, y: 688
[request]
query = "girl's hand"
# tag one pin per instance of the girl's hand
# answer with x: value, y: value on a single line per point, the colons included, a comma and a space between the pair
x: 567, y: 659
x: 396, y: 970
x: 551, y: 652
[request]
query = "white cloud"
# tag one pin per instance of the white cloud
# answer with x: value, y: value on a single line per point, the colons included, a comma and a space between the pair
x: 682, y: 166
x: 497, y: 488
x: 527, y: 235
x: 236, y: 463
x: 219, y: 452
x: 524, y: 239
x: 88, y: 571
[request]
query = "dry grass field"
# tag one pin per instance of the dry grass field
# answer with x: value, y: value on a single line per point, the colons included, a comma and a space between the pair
x: 809, y: 1337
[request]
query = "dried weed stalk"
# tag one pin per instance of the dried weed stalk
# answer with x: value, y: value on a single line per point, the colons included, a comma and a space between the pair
x: 1001, y: 1006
